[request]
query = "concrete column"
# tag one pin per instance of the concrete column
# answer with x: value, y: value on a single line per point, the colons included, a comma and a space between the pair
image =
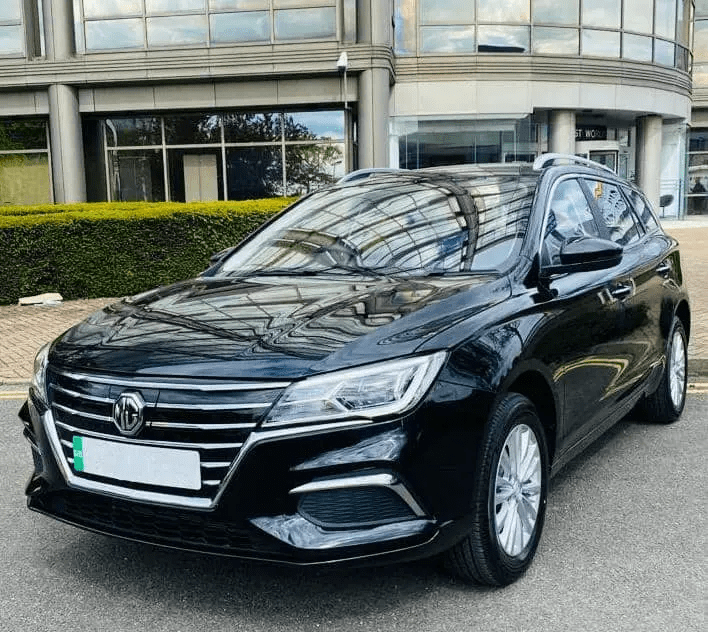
x: 64, y: 117
x: 67, y: 144
x: 58, y: 22
x: 561, y: 132
x: 374, y: 95
x: 649, y: 141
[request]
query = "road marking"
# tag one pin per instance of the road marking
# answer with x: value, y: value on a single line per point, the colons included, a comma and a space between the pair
x: 14, y: 395
x: 697, y: 387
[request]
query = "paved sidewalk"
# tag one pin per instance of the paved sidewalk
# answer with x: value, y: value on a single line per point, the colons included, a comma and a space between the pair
x: 24, y: 329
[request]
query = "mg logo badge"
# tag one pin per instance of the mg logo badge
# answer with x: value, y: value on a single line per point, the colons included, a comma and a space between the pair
x: 128, y: 414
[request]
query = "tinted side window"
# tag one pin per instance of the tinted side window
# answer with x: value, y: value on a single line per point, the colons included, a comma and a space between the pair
x: 569, y: 215
x: 642, y: 208
x: 616, y: 213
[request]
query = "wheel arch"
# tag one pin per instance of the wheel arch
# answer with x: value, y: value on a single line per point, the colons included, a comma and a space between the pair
x: 533, y: 385
x: 683, y: 313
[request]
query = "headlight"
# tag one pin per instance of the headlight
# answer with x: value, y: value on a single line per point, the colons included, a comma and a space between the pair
x: 376, y: 390
x: 39, y: 374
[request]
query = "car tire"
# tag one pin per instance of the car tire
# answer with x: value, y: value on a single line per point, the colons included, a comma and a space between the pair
x: 509, y: 497
x: 666, y: 403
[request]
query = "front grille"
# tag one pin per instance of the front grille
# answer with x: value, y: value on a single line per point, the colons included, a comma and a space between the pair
x: 213, y: 418
x: 151, y: 523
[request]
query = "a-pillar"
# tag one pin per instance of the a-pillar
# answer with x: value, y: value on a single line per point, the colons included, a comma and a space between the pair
x: 649, y: 141
x: 561, y: 132
x: 64, y: 116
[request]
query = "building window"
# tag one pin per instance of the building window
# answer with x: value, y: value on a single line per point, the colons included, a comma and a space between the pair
x: 12, y: 32
x: 24, y: 162
x: 657, y: 31
x: 137, y: 24
x: 697, y: 202
x: 424, y: 142
x: 220, y: 155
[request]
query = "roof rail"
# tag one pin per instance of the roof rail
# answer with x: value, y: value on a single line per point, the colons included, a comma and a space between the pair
x: 548, y: 160
x: 361, y: 174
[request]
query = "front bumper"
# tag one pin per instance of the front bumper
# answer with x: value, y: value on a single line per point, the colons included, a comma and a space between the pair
x: 325, y: 494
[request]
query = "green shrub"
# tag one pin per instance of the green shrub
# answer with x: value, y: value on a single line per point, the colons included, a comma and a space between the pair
x: 97, y: 250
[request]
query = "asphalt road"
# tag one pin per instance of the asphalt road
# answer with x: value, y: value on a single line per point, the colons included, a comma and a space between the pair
x: 624, y: 548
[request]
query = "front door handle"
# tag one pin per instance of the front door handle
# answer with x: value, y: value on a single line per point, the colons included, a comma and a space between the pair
x: 622, y: 291
x: 664, y: 268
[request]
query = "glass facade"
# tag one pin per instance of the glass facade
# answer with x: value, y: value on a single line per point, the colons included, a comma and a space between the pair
x: 429, y: 142
x: 656, y: 31
x: 24, y: 162
x: 136, y: 24
x: 219, y: 155
x: 697, y: 188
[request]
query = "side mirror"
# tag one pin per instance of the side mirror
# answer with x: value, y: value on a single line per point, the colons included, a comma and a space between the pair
x: 583, y: 254
x: 666, y: 200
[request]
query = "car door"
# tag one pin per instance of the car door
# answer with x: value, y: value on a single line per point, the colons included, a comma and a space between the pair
x: 582, y: 341
x: 634, y: 286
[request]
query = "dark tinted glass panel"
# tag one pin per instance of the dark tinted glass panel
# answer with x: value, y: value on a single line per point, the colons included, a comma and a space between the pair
x: 137, y: 176
x: 642, y: 209
x: 254, y: 172
x: 251, y: 128
x: 312, y: 125
x: 22, y: 134
x: 190, y: 130
x: 615, y: 212
x: 698, y: 140
x: 312, y: 166
x: 133, y: 132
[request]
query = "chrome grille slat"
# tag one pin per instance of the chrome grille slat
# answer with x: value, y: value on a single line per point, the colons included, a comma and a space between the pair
x: 186, y: 426
x: 79, y: 413
x: 207, y: 407
x: 176, y: 385
x: 76, y: 395
x: 154, y: 443
x: 214, y: 418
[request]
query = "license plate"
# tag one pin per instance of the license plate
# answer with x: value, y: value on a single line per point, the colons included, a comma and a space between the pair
x: 166, y: 467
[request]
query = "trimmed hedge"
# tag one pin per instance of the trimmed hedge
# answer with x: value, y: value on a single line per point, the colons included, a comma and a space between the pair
x: 97, y: 250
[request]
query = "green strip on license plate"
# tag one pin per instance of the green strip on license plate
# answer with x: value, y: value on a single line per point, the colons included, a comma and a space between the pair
x: 78, y: 454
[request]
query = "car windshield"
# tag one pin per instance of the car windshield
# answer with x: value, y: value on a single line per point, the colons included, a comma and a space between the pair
x: 395, y: 225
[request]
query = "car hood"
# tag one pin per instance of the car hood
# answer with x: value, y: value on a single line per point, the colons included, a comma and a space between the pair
x: 271, y: 326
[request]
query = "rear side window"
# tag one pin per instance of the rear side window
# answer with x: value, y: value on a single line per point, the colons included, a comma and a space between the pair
x: 642, y: 208
x: 616, y: 213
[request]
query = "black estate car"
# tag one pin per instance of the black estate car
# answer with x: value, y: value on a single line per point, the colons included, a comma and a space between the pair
x: 391, y: 368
